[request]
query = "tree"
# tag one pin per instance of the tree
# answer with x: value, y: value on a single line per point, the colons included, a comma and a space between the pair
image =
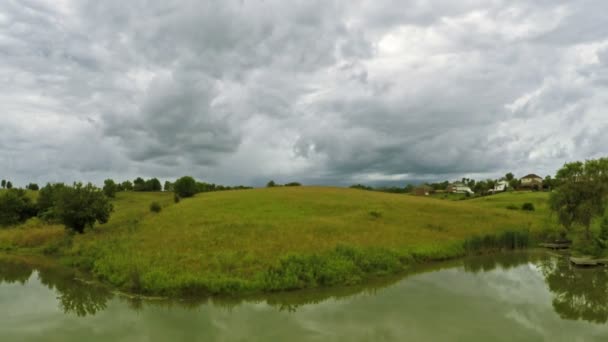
x: 509, y: 177
x: 33, y: 187
x: 80, y: 206
x: 514, y: 183
x: 47, y: 197
x: 9, y: 185
x: 15, y: 207
x: 110, y: 188
x: 3, y: 183
x: 271, y: 184
x: 581, y: 193
x: 185, y: 187
x: 153, y: 185
x: 168, y: 186
x: 139, y: 184
x: 127, y: 186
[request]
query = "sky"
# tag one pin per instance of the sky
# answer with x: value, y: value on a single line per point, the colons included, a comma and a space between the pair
x: 320, y: 92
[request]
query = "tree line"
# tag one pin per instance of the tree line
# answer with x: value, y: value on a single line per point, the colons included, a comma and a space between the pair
x: 79, y: 205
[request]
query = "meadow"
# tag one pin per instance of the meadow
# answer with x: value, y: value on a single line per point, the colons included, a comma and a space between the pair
x: 278, y: 238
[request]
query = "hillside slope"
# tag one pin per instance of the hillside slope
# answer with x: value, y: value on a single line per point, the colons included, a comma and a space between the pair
x: 236, y: 236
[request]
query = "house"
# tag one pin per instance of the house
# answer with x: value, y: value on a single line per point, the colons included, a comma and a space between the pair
x: 423, y: 190
x: 500, y: 186
x: 459, y: 188
x: 532, y: 181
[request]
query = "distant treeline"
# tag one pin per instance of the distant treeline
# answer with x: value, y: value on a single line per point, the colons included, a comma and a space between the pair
x: 110, y: 187
x: 392, y: 189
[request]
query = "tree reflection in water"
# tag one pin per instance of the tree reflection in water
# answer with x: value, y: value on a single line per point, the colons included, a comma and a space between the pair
x: 74, y: 296
x: 579, y: 293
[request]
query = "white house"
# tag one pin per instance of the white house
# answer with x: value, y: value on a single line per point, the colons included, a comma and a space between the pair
x: 500, y: 186
x: 459, y: 188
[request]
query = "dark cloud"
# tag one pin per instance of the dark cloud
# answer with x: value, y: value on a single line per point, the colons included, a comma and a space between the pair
x: 327, y: 92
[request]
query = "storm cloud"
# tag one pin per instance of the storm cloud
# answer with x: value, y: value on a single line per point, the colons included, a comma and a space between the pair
x: 323, y: 92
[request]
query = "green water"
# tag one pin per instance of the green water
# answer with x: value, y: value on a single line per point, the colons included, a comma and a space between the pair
x: 510, y: 297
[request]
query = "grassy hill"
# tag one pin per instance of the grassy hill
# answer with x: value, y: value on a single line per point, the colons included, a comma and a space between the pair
x: 275, y: 238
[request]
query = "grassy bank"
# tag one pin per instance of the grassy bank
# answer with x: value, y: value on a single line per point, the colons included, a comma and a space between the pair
x: 278, y: 238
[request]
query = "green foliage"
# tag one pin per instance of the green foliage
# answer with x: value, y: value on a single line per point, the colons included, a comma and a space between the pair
x: 153, y: 184
x: 110, y: 188
x: 509, y: 177
x: 126, y: 186
x: 15, y: 207
x: 47, y: 197
x: 9, y: 185
x: 80, y: 206
x: 168, y: 186
x: 33, y: 187
x: 581, y: 193
x: 185, y: 187
x: 271, y: 184
x: 375, y: 214
x: 3, y: 183
x: 155, y: 207
x: 528, y: 206
x: 342, y: 266
x: 361, y: 187
x: 490, y: 242
x: 293, y: 184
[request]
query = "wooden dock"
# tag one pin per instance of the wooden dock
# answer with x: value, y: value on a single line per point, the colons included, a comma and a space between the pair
x: 555, y: 245
x: 588, y: 261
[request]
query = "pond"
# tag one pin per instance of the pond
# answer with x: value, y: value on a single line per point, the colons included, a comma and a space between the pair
x: 529, y: 296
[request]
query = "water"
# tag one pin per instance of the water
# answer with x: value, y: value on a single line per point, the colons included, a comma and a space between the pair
x: 510, y: 297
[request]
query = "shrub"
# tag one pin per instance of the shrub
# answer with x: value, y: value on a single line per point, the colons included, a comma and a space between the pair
x: 110, y: 188
x: 375, y: 214
x: 155, y: 207
x: 512, y: 207
x: 293, y: 184
x: 528, y: 206
x: 15, y: 207
x: 47, y: 198
x: 185, y: 187
x: 33, y: 187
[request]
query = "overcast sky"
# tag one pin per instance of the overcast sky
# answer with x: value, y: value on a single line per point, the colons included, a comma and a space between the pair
x: 323, y: 92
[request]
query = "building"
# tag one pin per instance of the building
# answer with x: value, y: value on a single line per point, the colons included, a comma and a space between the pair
x: 459, y: 188
x: 423, y: 190
x: 532, y: 181
x: 500, y: 186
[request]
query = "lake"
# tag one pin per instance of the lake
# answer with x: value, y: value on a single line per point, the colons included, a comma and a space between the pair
x: 531, y: 296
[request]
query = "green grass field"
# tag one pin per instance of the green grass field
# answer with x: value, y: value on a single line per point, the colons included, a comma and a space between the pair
x: 235, y: 240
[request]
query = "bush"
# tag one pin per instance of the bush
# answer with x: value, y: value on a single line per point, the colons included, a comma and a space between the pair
x: 293, y: 184
x: 15, y: 207
x: 155, y: 207
x: 81, y: 206
x: 47, y: 198
x: 528, y: 206
x: 375, y: 214
x: 185, y: 187
x: 110, y: 188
